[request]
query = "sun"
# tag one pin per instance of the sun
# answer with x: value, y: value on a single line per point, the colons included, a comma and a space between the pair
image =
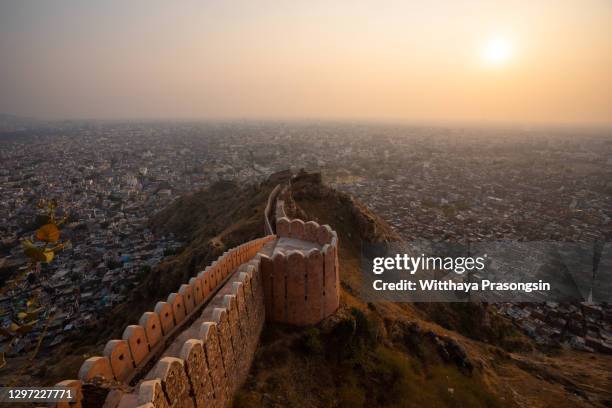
x: 497, y: 51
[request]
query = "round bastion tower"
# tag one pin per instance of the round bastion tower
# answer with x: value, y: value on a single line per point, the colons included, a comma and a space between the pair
x: 301, y: 277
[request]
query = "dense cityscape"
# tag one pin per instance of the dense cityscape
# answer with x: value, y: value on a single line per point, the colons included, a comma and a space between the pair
x: 431, y: 183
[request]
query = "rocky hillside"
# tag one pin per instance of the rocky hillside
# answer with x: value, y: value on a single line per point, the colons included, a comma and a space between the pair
x: 210, y: 221
x: 405, y: 355
x: 366, y: 355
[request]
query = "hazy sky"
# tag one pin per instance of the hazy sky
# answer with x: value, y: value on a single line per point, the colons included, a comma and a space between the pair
x: 514, y: 61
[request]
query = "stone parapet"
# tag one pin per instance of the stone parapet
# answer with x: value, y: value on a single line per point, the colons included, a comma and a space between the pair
x: 211, y: 358
x: 196, y: 347
x: 301, y: 286
x: 235, y: 277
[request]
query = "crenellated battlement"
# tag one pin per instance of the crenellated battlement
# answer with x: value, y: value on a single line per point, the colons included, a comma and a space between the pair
x: 124, y: 358
x: 301, y: 278
x: 196, y: 347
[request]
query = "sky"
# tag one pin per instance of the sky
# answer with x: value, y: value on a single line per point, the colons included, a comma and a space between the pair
x: 536, y: 61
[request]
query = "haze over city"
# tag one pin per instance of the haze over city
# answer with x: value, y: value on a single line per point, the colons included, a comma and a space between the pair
x: 194, y: 196
x: 516, y: 62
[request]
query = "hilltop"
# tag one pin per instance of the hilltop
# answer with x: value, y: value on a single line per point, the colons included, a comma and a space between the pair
x: 393, y: 354
x: 376, y: 354
x: 209, y: 221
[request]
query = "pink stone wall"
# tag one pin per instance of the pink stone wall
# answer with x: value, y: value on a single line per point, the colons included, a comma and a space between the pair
x: 314, y: 282
x: 206, y: 373
x: 118, y: 353
x: 270, y: 205
x: 296, y: 302
x: 96, y: 368
x: 207, y: 370
x: 137, y: 343
x: 203, y: 338
x: 283, y: 227
x: 152, y: 326
x: 201, y: 341
x: 198, y: 373
x: 279, y: 288
x: 188, y: 298
x: 302, y: 288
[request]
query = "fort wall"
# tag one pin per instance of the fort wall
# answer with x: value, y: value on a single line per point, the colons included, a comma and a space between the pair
x: 210, y: 359
x: 226, y: 298
x: 280, y: 209
x: 301, y: 287
x: 196, y: 347
x: 269, y: 211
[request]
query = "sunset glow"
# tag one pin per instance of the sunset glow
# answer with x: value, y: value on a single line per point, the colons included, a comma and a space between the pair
x: 498, y: 51
x: 465, y: 60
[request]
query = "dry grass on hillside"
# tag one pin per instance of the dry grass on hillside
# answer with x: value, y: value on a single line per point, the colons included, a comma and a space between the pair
x: 399, y: 355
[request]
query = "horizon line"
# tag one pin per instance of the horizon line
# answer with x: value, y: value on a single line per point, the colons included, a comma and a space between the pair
x: 339, y: 120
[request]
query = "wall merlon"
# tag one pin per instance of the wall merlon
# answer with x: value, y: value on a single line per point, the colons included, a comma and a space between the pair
x: 236, y: 256
x: 186, y: 291
x: 229, y: 301
x: 210, y: 339
x: 212, y: 270
x: 196, y: 288
x: 164, y: 312
x: 251, y: 303
x: 324, y: 235
x: 96, y: 367
x: 311, y: 229
x: 137, y: 342
x: 152, y: 392
x: 332, y: 287
x: 215, y: 273
x: 225, y: 266
x: 234, y: 328
x: 118, y: 353
x: 238, y: 290
x: 152, y: 327
x: 314, y: 287
x: 175, y: 384
x: 198, y: 373
x: 206, y: 283
x: 77, y: 389
x: 283, y: 227
x: 221, y: 317
x: 255, y: 261
x: 178, y: 308
x: 296, y: 229
x: 296, y: 288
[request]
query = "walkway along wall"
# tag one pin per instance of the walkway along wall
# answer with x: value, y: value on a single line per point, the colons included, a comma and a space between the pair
x: 196, y: 347
x: 210, y: 359
x: 189, y: 340
x: 269, y: 211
